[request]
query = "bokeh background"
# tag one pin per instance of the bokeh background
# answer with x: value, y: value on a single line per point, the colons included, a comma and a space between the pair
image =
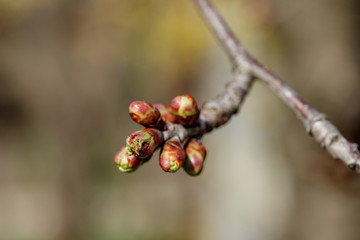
x: 70, y: 68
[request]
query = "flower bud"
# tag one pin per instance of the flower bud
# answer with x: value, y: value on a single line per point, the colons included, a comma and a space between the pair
x: 126, y: 162
x: 167, y: 113
x: 186, y: 109
x: 195, y: 157
x: 144, y: 142
x: 172, y: 156
x: 146, y: 114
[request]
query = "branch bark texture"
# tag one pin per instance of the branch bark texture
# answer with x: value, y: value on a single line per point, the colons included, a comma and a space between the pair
x: 216, y: 112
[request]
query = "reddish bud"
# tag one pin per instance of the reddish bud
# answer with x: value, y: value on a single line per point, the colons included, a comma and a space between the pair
x: 126, y: 162
x: 145, y: 114
x: 144, y: 142
x: 195, y: 157
x: 185, y: 109
x: 167, y: 113
x: 172, y: 156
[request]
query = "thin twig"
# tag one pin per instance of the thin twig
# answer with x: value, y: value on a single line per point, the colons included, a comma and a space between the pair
x: 315, y: 122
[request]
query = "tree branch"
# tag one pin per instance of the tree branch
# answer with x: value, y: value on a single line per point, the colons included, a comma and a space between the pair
x: 247, y: 67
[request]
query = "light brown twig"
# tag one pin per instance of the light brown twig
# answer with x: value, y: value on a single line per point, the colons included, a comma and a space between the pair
x: 315, y: 122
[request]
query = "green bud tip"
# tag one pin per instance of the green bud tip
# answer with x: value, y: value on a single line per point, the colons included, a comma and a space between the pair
x: 185, y: 109
x: 195, y: 157
x: 126, y: 162
x: 146, y: 114
x: 172, y: 156
x: 144, y: 142
x: 167, y: 113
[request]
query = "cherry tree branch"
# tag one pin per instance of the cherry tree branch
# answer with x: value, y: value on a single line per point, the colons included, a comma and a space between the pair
x: 247, y: 67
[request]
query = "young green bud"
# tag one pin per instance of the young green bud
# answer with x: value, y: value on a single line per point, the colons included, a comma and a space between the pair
x: 185, y: 109
x: 144, y: 142
x: 167, y: 113
x: 146, y: 114
x: 172, y: 156
x: 195, y: 157
x: 126, y: 162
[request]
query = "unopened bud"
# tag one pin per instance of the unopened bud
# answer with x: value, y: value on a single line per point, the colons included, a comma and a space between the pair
x: 185, y: 109
x: 167, y: 113
x: 172, y: 156
x: 126, y: 162
x: 144, y: 142
x: 146, y: 114
x: 195, y: 157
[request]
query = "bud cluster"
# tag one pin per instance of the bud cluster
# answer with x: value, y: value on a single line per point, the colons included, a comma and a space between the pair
x: 141, y: 144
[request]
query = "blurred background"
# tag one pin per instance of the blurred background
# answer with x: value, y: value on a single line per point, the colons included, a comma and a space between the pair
x: 70, y: 68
